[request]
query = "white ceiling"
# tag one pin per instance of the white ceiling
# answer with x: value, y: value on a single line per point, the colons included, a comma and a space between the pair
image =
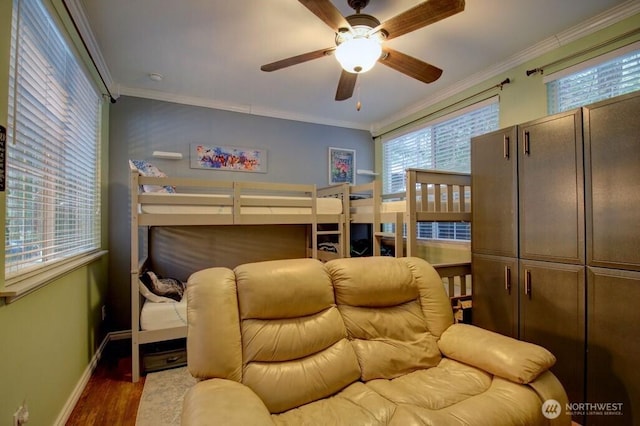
x: 210, y: 52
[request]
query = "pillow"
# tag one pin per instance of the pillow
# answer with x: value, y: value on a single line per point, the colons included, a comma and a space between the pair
x: 145, y: 168
x: 161, y: 289
x: 150, y: 296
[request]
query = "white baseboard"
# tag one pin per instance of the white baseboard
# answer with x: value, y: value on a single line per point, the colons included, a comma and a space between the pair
x: 84, y: 379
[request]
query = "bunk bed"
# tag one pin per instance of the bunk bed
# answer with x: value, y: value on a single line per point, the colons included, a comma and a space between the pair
x: 178, y: 202
x: 431, y: 196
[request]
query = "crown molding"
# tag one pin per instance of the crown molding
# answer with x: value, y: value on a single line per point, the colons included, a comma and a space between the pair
x: 82, y: 23
x: 588, y: 27
x: 241, y: 108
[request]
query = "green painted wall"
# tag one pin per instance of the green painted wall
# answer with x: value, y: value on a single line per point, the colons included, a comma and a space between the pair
x: 48, y: 338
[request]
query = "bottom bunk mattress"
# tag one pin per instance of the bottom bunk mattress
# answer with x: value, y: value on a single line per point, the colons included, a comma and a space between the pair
x: 158, y: 316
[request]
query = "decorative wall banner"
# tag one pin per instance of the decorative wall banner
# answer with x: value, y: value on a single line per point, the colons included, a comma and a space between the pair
x: 228, y: 158
x: 342, y: 166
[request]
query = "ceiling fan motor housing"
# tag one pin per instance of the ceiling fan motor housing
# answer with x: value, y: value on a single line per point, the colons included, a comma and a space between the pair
x: 362, y: 20
x: 361, y: 25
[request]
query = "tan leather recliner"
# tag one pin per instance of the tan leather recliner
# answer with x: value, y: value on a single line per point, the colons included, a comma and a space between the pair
x: 358, y: 341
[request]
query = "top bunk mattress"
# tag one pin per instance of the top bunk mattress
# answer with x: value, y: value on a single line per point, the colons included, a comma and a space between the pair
x: 328, y: 205
x: 400, y: 206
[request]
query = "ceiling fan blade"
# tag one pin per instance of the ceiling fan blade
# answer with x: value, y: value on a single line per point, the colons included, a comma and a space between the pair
x: 410, y: 66
x: 328, y: 13
x: 420, y: 16
x: 294, y: 60
x: 346, y: 85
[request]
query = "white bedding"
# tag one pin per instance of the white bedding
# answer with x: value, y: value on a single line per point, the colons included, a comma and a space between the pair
x: 399, y: 206
x: 324, y: 205
x: 157, y: 316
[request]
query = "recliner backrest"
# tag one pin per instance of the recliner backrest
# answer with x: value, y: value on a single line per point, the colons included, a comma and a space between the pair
x: 394, y: 311
x: 294, y: 342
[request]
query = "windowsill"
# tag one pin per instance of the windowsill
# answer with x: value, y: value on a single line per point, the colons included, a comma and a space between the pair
x: 20, y: 288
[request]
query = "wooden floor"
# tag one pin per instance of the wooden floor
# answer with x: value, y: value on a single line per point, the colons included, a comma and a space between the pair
x: 110, y: 398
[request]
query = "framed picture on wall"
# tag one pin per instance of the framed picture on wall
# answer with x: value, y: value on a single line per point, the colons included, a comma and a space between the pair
x: 342, y: 166
x: 228, y: 158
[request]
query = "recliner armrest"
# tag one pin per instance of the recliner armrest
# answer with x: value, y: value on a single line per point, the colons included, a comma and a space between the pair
x: 223, y: 402
x: 503, y: 356
x: 548, y: 387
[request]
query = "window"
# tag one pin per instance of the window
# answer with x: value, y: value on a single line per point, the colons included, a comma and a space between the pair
x: 616, y: 74
x: 441, y: 145
x: 53, y: 175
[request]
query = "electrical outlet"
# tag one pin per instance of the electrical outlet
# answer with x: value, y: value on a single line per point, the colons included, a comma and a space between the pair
x: 21, y: 416
x: 104, y: 312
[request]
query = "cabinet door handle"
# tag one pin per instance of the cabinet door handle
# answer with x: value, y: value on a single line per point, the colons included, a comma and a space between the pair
x: 507, y: 279
x: 527, y: 282
x: 526, y: 143
x: 505, y: 147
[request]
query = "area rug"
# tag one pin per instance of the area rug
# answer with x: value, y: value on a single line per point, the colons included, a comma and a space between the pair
x: 162, y: 395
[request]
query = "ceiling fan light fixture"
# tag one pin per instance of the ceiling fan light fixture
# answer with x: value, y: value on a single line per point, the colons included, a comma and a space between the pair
x: 359, y: 39
x: 358, y: 54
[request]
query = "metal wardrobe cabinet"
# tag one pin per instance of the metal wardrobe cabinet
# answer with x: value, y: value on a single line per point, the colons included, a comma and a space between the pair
x: 556, y: 246
x: 494, y: 231
x: 528, y: 238
x: 612, y: 195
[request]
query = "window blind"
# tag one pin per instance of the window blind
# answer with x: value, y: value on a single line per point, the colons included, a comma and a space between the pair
x: 605, y: 80
x: 53, y: 185
x: 442, y: 145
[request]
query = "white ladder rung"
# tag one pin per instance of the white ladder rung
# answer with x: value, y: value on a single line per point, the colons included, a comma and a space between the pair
x: 384, y: 234
x: 329, y: 233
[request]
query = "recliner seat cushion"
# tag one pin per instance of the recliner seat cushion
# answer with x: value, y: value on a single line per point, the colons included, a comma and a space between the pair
x: 355, y: 405
x: 457, y: 394
x: 439, y: 387
x: 504, y: 403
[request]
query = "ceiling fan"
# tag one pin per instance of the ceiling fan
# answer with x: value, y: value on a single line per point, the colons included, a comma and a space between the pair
x: 360, y: 40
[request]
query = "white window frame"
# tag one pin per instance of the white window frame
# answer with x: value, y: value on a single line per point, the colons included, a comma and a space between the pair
x: 428, y: 231
x: 556, y: 78
x: 53, y: 257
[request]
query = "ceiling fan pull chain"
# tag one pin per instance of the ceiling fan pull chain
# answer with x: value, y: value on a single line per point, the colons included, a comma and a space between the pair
x: 358, y: 103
